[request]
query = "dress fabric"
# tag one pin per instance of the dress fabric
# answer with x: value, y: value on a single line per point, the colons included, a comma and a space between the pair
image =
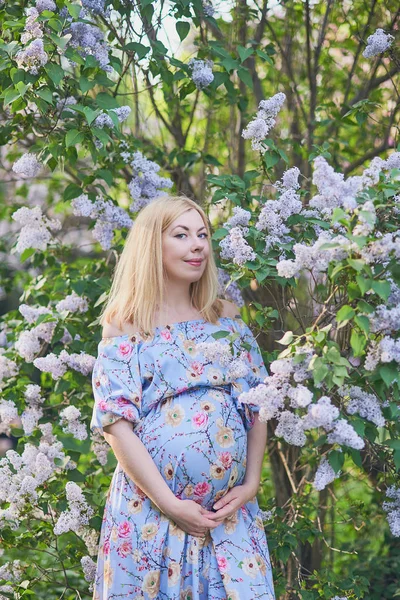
x: 186, y: 411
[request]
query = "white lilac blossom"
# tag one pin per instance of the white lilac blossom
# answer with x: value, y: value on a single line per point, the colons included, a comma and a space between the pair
x: 259, y: 127
x: 31, y: 313
x: 88, y: 40
x: 146, y: 183
x: 235, y: 247
x: 69, y: 420
x: 57, y: 365
x: 33, y: 29
x: 27, y: 166
x: 63, y: 103
x: 104, y: 120
x: 333, y: 190
x: 393, y: 509
x: 32, y: 57
x: 300, y: 396
x: 89, y: 568
x: 380, y: 250
x: 11, y: 571
x: 78, y: 514
x: 240, y: 217
x: 344, y: 433
x: 324, y: 475
x: 73, y: 303
x: 365, y: 224
x: 208, y: 8
x: 42, y: 5
x: 8, y: 368
x: 202, y: 74
x: 238, y: 367
x: 108, y: 217
x: 35, y: 228
x: 51, y: 364
x: 97, y: 7
x: 33, y: 411
x: 366, y: 405
x: 313, y: 258
x: 321, y: 414
x: 377, y: 43
x: 290, y: 428
x: 215, y: 352
x: 382, y: 351
x: 274, y: 213
x: 385, y: 320
x: 229, y: 289
x: 100, y: 447
x: 8, y: 414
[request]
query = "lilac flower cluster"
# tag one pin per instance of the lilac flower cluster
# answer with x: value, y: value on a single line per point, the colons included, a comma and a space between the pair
x: 88, y: 40
x: 28, y: 165
x: 33, y: 57
x: 8, y: 369
x: 146, y: 183
x: 42, y: 5
x: 208, y: 8
x: 202, y: 74
x: 230, y: 292
x: 69, y: 420
x: 107, y: 215
x: 377, y: 43
x: 274, y: 213
x: 104, y: 120
x: 97, y: 7
x: 235, y: 246
x: 35, y: 232
x: 33, y: 411
x: 33, y: 29
x: 21, y: 476
x: 393, y: 510
x: 257, y: 130
x: 57, y: 365
x: 78, y: 513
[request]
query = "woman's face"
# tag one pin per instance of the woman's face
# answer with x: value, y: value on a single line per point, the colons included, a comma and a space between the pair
x: 185, y: 239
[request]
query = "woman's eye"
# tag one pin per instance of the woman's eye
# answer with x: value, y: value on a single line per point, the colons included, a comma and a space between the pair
x: 185, y: 234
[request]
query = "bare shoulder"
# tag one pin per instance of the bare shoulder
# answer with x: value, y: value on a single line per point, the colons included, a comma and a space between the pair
x: 112, y: 329
x: 230, y: 309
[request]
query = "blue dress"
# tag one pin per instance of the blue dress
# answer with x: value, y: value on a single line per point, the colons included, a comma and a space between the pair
x: 186, y: 412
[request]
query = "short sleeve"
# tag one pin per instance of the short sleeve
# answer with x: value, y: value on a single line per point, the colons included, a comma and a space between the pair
x: 116, y: 382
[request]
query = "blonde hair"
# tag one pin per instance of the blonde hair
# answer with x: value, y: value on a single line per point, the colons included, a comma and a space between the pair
x: 137, y: 287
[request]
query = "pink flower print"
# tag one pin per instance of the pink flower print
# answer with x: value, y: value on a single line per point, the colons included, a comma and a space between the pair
x: 121, y: 401
x: 124, y: 529
x: 125, y: 349
x: 202, y: 488
x: 166, y: 335
x: 106, y: 547
x: 197, y: 367
x: 225, y: 458
x: 223, y: 564
x: 181, y: 389
x: 200, y: 420
x: 102, y: 404
x: 125, y: 548
x: 129, y: 414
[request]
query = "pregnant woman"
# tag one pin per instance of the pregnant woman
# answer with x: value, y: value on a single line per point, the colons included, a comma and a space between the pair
x: 181, y: 520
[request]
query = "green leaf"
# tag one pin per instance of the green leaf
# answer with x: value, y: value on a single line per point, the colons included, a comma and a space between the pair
x: 363, y: 284
x: 72, y: 191
x: 73, y: 9
x: 382, y: 288
x: 336, y: 460
x: 183, y: 28
x: 286, y: 339
x: 357, y: 264
x: 10, y: 95
x: 140, y: 49
x: 244, y: 53
x: 396, y: 459
x: 73, y: 137
x: 85, y: 84
x: 363, y: 323
x: 55, y: 72
x: 357, y: 342
x: 106, y: 175
x: 245, y: 76
x: 389, y: 373
x: 106, y: 101
x: 46, y: 94
x: 345, y: 313
x: 230, y: 64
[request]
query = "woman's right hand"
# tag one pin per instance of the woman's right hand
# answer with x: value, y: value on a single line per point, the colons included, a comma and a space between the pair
x: 191, y: 517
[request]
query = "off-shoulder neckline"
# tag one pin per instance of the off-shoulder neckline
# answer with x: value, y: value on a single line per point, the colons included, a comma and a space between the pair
x: 127, y: 335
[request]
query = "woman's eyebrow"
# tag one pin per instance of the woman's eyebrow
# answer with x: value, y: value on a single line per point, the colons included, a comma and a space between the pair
x: 187, y: 228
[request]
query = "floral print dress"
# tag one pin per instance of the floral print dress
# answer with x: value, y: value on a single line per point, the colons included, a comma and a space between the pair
x: 187, y: 413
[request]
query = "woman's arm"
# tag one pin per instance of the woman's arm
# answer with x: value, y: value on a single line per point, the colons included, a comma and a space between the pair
x: 256, y: 441
x: 137, y: 463
x: 242, y: 493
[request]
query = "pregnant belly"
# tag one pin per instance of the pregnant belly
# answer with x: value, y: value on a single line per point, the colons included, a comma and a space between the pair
x: 198, y: 442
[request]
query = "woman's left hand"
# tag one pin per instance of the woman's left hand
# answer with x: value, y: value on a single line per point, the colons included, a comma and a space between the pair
x: 232, y: 501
